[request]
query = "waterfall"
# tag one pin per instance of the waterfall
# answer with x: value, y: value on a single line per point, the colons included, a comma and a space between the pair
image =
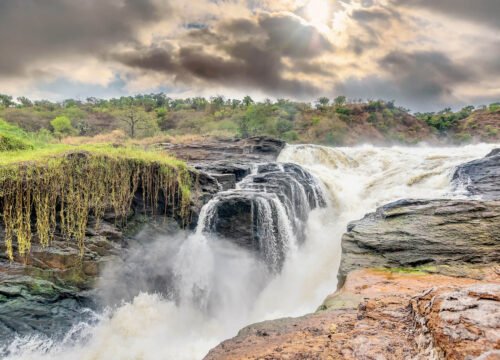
x: 225, y: 285
x: 267, y: 212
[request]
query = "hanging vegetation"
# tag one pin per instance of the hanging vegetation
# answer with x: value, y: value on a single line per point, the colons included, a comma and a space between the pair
x: 60, y: 189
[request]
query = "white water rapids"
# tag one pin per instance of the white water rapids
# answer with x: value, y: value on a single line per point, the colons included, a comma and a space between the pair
x: 151, y: 327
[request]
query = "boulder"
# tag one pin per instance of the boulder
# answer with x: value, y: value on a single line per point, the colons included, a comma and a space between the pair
x: 480, y: 177
x: 442, y: 236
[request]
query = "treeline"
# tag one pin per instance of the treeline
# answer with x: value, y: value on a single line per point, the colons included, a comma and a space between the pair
x: 333, y: 121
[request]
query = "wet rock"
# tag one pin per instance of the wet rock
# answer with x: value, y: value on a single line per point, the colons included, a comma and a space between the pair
x: 254, y: 149
x: 227, y: 173
x: 48, y: 292
x: 380, y: 315
x: 445, y: 236
x: 268, y: 211
x: 30, y: 305
x: 480, y: 177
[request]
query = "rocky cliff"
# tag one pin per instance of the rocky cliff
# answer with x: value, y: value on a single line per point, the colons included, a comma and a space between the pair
x: 418, y: 280
x: 44, y: 292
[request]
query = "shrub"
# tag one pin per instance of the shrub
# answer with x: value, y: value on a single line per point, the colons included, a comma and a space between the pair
x: 13, y: 143
x: 491, y: 131
x: 343, y: 110
x: 494, y: 107
x: 62, y: 126
x: 315, y: 120
x: 290, y: 136
x: 283, y: 126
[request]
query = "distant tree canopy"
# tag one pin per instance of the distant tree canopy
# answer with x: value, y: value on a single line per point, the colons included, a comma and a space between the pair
x: 324, y: 120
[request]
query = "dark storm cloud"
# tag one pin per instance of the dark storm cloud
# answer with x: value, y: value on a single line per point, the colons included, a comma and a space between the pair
x: 242, y: 53
x: 372, y: 22
x: 368, y: 15
x: 425, y: 75
x: 480, y: 11
x: 421, y: 81
x: 33, y: 30
x: 289, y: 35
x: 157, y: 59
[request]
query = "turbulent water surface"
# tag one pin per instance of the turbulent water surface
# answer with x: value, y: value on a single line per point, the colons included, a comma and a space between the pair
x: 217, y: 287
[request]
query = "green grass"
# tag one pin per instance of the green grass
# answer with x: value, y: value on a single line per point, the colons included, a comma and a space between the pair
x: 38, y: 178
x: 56, y: 150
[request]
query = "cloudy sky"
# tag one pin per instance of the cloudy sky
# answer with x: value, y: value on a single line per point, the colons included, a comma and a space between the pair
x: 425, y: 54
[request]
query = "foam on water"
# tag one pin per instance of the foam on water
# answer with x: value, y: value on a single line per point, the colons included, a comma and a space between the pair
x: 222, y: 288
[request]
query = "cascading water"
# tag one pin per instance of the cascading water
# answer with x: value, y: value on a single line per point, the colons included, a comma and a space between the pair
x: 222, y: 286
x: 267, y: 212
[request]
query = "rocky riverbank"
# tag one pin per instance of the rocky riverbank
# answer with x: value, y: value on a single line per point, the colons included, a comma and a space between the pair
x: 417, y: 280
x: 45, y: 292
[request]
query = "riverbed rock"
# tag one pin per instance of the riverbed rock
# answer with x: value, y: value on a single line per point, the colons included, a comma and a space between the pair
x: 46, y: 292
x: 382, y: 314
x: 452, y: 237
x: 480, y: 177
x: 254, y: 149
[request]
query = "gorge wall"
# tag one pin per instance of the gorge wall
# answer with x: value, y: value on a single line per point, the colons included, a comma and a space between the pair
x: 418, y: 279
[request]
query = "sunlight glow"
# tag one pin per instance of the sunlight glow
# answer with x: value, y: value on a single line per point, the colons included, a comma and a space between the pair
x: 318, y: 11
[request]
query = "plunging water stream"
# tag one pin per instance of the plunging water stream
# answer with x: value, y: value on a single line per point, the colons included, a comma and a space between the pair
x: 221, y: 286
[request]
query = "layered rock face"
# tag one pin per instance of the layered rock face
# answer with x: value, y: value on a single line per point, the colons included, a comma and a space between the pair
x: 481, y: 177
x: 45, y: 293
x: 254, y: 149
x: 445, y: 236
x: 381, y: 314
x: 268, y: 211
x: 420, y: 279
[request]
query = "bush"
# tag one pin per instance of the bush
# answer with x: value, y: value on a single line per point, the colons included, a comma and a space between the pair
x: 372, y: 119
x: 290, y: 136
x: 284, y: 126
x: 491, y: 131
x: 62, y: 126
x: 13, y: 143
x: 343, y: 111
x: 494, y: 107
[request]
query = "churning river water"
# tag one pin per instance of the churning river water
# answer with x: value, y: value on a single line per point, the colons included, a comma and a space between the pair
x: 221, y: 287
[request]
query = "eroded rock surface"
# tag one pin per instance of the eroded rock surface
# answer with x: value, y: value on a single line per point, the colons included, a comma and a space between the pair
x: 254, y: 149
x: 45, y: 293
x: 383, y: 315
x: 481, y: 177
x: 445, y: 236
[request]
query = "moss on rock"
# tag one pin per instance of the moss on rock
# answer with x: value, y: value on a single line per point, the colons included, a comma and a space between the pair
x: 60, y: 187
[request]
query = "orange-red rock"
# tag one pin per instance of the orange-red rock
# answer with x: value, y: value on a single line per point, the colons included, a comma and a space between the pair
x: 384, y: 315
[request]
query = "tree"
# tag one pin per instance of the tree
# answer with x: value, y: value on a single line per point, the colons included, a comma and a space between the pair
x: 6, y: 100
x: 165, y: 122
x: 24, y: 101
x: 322, y: 103
x: 247, y: 101
x: 217, y: 102
x: 62, y: 126
x: 340, y: 100
x: 135, y: 118
x: 235, y: 103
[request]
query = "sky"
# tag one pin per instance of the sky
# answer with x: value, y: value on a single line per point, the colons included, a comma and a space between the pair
x: 425, y: 54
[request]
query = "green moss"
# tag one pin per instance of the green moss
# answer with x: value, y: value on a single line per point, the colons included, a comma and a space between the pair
x: 426, y: 269
x: 62, y: 185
